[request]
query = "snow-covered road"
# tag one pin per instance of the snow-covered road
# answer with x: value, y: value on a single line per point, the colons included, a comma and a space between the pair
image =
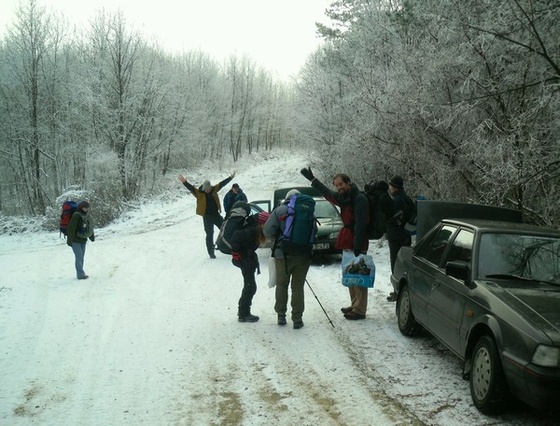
x: 152, y: 337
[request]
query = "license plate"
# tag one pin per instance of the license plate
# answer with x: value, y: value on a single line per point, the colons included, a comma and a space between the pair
x: 321, y: 246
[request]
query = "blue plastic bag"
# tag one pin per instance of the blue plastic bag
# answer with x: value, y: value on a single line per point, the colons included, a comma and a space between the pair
x: 357, y: 271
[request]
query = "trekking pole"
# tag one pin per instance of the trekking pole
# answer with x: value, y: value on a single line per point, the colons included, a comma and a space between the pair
x: 319, y: 302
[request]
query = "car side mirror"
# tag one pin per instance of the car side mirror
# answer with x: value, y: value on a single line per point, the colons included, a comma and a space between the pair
x: 458, y: 269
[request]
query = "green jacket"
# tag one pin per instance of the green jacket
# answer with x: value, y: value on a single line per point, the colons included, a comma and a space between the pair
x: 80, y: 228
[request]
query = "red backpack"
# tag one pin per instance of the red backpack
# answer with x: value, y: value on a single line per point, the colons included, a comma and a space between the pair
x: 68, y: 209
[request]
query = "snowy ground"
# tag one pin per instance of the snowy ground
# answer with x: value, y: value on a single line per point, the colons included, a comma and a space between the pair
x: 152, y: 337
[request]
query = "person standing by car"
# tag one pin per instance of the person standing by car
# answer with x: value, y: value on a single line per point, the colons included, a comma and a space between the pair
x: 79, y: 230
x: 291, y: 266
x: 234, y: 195
x: 244, y: 243
x: 396, y: 234
x: 208, y: 206
x: 354, y: 209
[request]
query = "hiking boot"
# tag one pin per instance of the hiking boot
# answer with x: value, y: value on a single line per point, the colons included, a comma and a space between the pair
x: 248, y: 318
x: 354, y: 316
x: 346, y: 310
x: 212, y: 256
x: 392, y: 297
x: 282, y: 320
x: 298, y: 324
x: 83, y: 277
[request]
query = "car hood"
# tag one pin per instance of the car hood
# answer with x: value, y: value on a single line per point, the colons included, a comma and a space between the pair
x: 327, y: 225
x: 538, y: 303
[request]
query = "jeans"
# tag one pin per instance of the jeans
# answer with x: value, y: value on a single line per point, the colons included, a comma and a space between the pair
x: 79, y: 250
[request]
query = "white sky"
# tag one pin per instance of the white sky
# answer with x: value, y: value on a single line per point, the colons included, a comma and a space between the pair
x: 277, y: 34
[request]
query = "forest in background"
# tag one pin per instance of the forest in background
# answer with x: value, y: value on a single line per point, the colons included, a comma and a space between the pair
x: 460, y: 98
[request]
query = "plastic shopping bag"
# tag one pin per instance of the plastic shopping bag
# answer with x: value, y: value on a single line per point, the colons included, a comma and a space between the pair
x: 357, y: 271
x: 271, y: 272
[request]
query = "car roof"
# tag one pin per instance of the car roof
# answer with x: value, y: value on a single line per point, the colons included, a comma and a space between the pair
x: 280, y: 194
x: 482, y: 225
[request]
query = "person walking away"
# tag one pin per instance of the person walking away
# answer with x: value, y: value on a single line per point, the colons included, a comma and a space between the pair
x: 244, y: 243
x: 396, y: 234
x: 234, y: 195
x: 80, y: 229
x: 354, y: 210
x: 291, y: 267
x: 208, y: 206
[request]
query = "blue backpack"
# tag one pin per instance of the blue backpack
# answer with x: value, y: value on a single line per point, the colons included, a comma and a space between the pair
x: 298, y: 234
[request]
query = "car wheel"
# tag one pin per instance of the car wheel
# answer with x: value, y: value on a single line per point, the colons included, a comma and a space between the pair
x: 407, y: 323
x: 489, y: 390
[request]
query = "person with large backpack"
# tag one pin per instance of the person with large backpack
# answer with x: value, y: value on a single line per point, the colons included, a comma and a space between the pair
x: 353, y: 237
x: 79, y: 230
x: 208, y: 206
x: 397, y: 236
x: 292, y: 226
x: 380, y: 208
x: 245, y: 239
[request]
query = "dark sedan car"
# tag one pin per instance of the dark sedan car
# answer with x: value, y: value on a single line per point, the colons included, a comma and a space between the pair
x: 490, y: 292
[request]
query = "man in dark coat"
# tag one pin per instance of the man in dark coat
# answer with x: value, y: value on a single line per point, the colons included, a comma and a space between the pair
x: 208, y: 206
x: 396, y: 234
x: 354, y: 209
x: 234, y: 195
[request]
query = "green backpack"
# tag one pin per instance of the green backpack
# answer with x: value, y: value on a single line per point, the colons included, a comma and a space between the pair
x: 299, y: 230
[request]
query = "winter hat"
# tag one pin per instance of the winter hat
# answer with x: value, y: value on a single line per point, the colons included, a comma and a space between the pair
x: 206, y: 185
x: 83, y: 204
x: 397, y: 182
x: 263, y: 217
x: 291, y: 192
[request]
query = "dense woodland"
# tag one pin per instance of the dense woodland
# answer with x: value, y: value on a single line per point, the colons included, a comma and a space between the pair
x: 460, y: 98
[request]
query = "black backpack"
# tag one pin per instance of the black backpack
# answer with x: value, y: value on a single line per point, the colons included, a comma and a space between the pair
x: 410, y: 214
x: 235, y: 219
x: 380, y: 208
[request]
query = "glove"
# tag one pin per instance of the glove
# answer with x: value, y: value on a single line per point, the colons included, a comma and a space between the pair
x: 357, y: 252
x: 307, y: 173
x: 92, y: 238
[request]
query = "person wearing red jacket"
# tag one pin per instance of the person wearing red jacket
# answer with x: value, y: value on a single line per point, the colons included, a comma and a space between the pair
x: 354, y: 210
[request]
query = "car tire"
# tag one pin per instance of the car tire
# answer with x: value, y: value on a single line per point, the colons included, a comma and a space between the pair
x: 489, y: 390
x: 405, y: 318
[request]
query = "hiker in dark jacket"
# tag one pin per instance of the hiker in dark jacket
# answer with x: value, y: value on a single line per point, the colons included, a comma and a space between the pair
x: 208, y: 206
x: 353, y: 237
x: 79, y: 230
x: 396, y: 234
x: 244, y: 243
x: 289, y: 267
x: 234, y: 195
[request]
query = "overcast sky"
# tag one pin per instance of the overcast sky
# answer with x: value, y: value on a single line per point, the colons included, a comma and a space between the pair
x: 277, y: 34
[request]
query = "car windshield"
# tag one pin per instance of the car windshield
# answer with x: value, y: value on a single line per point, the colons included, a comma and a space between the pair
x: 520, y: 256
x: 324, y: 209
